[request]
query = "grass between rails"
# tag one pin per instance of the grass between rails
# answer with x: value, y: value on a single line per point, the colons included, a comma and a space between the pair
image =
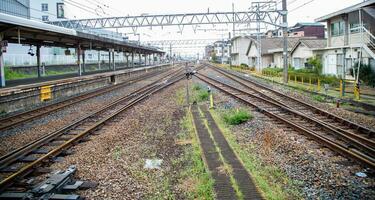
x: 195, y: 180
x: 226, y: 168
x: 270, y: 179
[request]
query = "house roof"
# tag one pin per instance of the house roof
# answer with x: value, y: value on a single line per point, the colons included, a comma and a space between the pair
x: 311, y: 43
x: 308, y: 24
x: 271, y: 45
x: 345, y: 10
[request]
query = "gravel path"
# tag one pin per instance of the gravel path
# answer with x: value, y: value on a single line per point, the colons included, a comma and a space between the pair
x: 16, y: 137
x: 318, y: 172
x: 115, y: 158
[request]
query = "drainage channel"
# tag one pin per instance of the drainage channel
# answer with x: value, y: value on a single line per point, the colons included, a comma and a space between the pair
x: 213, y: 149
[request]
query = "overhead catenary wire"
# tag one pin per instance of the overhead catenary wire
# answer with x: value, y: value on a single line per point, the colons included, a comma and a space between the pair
x: 300, y: 6
x: 75, y: 4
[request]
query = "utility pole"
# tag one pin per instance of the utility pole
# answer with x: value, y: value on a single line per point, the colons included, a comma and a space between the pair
x: 285, y: 38
x: 234, y: 25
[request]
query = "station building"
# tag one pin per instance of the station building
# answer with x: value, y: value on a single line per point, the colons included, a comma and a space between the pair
x: 53, y: 10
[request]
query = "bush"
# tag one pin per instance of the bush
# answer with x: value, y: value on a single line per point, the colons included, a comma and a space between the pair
x: 243, y: 65
x: 197, y: 87
x: 317, y: 65
x: 366, y: 74
x: 236, y: 116
x: 202, y: 95
x: 272, y: 71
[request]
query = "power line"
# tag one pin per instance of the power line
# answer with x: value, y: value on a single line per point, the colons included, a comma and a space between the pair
x: 80, y: 7
x: 296, y: 8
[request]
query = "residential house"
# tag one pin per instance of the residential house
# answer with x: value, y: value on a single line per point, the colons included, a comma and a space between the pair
x: 221, y: 51
x: 271, y: 52
x: 301, y: 29
x: 239, y: 47
x: 307, y: 29
x: 208, y: 52
x: 347, y: 38
x: 306, y: 49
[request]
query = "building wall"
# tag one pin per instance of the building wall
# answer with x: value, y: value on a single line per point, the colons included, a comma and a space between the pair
x: 18, y: 8
x: 314, y: 31
x: 239, y: 48
x: 37, y: 13
x: 300, y: 56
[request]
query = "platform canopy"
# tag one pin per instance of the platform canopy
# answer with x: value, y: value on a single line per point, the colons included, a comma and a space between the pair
x: 25, y: 31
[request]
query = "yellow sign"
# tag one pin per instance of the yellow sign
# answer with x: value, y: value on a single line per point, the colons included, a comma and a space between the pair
x: 45, y: 93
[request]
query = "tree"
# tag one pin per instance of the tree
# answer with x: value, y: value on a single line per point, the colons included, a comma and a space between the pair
x: 317, y: 64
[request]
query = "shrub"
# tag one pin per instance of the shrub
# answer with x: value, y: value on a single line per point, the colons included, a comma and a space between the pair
x: 236, y: 116
x: 366, y: 74
x: 197, y: 87
x: 243, y: 65
x: 202, y: 95
x: 317, y: 65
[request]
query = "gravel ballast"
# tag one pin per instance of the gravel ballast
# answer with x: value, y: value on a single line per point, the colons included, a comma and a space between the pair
x: 316, y: 171
x: 115, y: 158
x: 24, y: 133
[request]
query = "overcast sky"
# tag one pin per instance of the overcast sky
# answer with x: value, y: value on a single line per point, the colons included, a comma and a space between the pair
x: 307, y: 13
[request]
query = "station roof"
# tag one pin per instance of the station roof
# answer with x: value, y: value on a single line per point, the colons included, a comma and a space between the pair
x: 38, y: 33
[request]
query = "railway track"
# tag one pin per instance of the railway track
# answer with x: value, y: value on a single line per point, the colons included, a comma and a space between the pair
x: 333, y: 120
x: 346, y: 143
x: 214, y: 146
x: 14, y: 120
x: 23, y: 161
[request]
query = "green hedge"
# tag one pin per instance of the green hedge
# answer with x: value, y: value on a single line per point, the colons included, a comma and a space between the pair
x: 306, y: 74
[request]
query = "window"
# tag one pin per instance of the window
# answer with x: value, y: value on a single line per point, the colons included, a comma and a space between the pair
x: 44, y: 6
x: 337, y: 28
x: 60, y: 10
x: 45, y: 18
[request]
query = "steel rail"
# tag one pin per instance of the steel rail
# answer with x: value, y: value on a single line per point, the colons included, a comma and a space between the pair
x: 362, y: 129
x: 11, y: 121
x: 335, y: 146
x: 151, y: 88
x: 363, y: 140
x: 5, y: 160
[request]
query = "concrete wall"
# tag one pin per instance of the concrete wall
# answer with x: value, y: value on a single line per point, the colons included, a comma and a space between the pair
x: 239, y: 48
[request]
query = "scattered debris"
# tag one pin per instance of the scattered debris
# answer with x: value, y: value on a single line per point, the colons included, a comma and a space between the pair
x: 361, y: 174
x: 152, y: 163
x: 59, y: 185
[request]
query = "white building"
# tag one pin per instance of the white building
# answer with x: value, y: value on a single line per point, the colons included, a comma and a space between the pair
x: 350, y: 32
x: 306, y: 49
x: 221, y: 51
x: 239, y: 47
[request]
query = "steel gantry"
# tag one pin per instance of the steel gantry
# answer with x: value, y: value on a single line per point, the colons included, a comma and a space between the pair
x: 265, y: 12
x: 266, y: 16
x: 189, y: 42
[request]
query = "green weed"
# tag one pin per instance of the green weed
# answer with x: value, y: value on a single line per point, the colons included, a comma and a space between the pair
x: 236, y: 116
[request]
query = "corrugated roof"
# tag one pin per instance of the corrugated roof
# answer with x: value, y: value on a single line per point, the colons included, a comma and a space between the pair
x: 345, y: 10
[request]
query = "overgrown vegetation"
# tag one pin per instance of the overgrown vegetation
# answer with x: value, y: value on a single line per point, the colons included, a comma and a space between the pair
x: 11, y: 75
x: 305, y: 74
x: 199, y: 93
x: 270, y: 179
x: 236, y: 116
x: 196, y: 181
